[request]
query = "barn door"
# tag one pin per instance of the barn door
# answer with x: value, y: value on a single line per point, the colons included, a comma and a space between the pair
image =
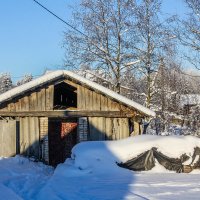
x: 62, y: 138
x: 8, y: 144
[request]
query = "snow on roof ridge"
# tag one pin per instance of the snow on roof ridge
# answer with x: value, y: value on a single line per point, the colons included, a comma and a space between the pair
x: 27, y: 86
x: 60, y: 73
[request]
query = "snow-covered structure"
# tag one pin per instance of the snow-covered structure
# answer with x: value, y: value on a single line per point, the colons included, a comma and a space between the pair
x: 46, y: 117
x: 188, y: 101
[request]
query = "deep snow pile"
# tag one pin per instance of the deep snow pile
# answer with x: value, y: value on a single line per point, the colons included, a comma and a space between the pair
x: 92, y: 173
x: 102, y: 154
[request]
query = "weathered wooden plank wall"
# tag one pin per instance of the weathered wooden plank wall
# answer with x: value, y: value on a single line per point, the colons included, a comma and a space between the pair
x: 102, y: 128
x: 30, y: 132
x: 29, y: 136
x: 37, y: 100
x: 7, y: 138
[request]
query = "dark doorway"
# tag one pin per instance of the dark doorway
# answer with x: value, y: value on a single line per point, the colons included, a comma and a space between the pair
x: 17, y: 137
x: 62, y: 138
x: 65, y: 96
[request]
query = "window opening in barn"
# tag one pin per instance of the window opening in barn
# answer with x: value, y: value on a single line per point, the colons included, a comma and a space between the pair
x: 65, y: 96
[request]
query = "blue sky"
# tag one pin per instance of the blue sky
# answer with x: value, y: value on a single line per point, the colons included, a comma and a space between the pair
x: 31, y: 39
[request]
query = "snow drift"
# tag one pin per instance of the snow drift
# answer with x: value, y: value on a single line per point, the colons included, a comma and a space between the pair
x: 20, y: 178
x: 105, y: 154
x: 92, y: 173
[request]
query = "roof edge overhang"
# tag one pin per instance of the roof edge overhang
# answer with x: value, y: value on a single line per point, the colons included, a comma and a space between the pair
x: 55, y: 75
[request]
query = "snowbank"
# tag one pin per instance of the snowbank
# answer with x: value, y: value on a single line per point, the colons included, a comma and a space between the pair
x: 92, y: 173
x: 21, y: 178
x: 105, y: 154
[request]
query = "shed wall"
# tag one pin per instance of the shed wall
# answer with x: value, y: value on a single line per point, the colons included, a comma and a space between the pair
x: 103, y: 128
x: 8, y: 138
x: 39, y: 100
x: 29, y: 136
x: 32, y: 129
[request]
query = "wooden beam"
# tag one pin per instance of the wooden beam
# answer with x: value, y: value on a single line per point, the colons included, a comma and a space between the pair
x: 67, y: 114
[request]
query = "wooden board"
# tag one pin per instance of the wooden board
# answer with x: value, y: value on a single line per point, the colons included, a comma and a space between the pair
x: 96, y: 128
x: 42, y: 99
x: 109, y: 128
x: 66, y: 113
x: 49, y: 97
x: 29, y: 136
x: 33, y: 102
x: 81, y: 100
x: 25, y: 136
x: 33, y: 137
x: 124, y: 128
x: 7, y: 138
x: 136, y: 128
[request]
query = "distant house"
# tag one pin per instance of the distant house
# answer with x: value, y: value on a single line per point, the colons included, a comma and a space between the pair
x: 46, y: 117
x: 187, y: 101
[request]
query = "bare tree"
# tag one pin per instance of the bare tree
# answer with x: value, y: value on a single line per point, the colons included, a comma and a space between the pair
x: 120, y: 37
x: 107, y: 24
x: 189, y: 33
x: 155, y: 42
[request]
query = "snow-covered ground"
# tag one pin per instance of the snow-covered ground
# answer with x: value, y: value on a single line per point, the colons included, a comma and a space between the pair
x: 93, y: 175
x: 21, y: 178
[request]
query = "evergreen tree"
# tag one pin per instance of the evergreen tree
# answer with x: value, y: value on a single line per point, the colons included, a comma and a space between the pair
x: 5, y: 82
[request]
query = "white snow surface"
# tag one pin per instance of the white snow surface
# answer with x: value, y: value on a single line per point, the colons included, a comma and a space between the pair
x: 53, y: 75
x: 109, y: 152
x: 92, y: 174
x: 21, y: 178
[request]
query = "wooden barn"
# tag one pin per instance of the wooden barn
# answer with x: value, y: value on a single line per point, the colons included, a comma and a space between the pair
x: 46, y: 117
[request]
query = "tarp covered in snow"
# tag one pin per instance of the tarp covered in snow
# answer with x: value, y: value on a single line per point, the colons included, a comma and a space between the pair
x: 140, y: 152
x: 146, y: 161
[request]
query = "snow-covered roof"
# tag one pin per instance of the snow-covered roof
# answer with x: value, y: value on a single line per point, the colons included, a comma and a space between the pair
x: 54, y: 75
x: 190, y: 99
